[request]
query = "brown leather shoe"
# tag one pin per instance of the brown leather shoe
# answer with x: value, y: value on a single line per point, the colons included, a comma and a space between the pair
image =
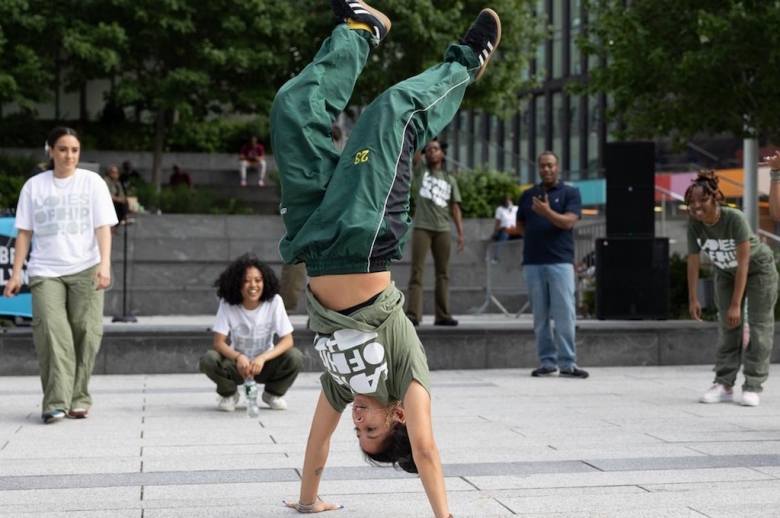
x: 78, y: 413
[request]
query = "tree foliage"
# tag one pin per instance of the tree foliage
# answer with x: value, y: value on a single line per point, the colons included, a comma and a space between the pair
x: 198, y: 58
x: 422, y: 30
x: 677, y: 67
x: 24, y: 76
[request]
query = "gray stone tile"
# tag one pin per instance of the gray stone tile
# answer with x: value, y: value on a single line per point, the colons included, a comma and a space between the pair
x: 79, y: 513
x: 616, y: 478
x: 509, y: 443
x: 43, y: 497
x: 42, y: 467
x: 737, y: 448
x: 686, y: 463
x: 242, y: 461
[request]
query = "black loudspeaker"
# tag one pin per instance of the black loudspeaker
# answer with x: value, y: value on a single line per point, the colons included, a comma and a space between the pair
x: 632, y: 278
x: 630, y: 174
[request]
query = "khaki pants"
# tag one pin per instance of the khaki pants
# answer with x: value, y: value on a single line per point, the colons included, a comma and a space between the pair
x: 67, y: 330
x: 278, y: 374
x: 439, y: 243
x: 761, y: 293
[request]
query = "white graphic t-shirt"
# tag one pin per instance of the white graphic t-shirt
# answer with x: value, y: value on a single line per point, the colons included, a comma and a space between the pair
x: 436, y: 191
x: 719, y: 242
x: 252, y: 331
x: 63, y: 215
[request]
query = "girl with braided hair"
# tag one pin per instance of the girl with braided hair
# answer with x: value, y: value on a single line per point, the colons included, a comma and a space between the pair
x: 744, y: 270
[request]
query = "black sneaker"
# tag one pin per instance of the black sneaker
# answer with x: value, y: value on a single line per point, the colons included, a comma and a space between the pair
x: 483, y: 37
x: 574, y: 372
x: 544, y: 371
x: 360, y: 12
x: 447, y: 321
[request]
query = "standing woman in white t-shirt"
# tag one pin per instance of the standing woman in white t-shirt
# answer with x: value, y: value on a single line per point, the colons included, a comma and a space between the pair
x: 250, y: 314
x: 70, y: 214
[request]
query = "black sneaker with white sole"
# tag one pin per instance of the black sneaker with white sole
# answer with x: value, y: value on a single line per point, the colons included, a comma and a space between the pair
x: 483, y: 37
x: 574, y: 372
x: 351, y: 11
x: 544, y: 371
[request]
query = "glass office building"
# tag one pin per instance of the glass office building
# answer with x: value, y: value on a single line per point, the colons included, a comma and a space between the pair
x: 570, y: 126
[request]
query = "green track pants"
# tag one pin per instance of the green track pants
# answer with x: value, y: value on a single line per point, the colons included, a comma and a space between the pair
x: 349, y: 212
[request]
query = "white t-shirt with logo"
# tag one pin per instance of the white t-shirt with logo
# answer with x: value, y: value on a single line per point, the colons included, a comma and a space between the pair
x: 63, y: 215
x: 507, y: 216
x: 252, y: 332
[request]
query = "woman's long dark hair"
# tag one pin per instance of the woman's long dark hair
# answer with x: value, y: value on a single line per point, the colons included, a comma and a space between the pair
x: 397, y: 452
x: 56, y: 134
x: 230, y: 281
x: 708, y: 180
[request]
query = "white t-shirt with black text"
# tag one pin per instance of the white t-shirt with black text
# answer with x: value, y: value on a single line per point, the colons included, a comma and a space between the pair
x: 252, y: 332
x: 63, y: 214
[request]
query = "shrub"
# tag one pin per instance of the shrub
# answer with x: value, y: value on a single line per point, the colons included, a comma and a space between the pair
x: 14, y: 171
x: 482, y: 191
x: 187, y: 135
x: 180, y: 200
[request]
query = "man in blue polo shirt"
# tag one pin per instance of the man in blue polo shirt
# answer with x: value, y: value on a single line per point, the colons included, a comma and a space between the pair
x: 546, y: 216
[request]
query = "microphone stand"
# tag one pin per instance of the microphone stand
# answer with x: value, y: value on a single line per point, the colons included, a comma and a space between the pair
x: 124, y: 317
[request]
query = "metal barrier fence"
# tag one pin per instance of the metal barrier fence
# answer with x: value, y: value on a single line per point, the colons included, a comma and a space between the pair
x: 504, y: 268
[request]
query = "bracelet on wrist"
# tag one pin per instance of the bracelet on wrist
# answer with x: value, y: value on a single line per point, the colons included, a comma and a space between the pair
x: 774, y: 174
x: 307, y: 508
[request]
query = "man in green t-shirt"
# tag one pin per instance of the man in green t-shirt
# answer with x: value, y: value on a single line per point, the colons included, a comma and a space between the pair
x: 437, y: 201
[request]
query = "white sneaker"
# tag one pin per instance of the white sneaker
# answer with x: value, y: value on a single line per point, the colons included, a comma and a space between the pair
x: 275, y: 402
x: 717, y: 394
x: 228, y: 404
x: 750, y: 399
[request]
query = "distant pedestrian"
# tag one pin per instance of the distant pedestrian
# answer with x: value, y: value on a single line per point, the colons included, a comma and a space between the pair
x: 773, y: 161
x: 250, y: 313
x: 744, y: 270
x: 129, y: 176
x: 69, y: 213
x: 252, y: 156
x: 118, y: 193
x: 437, y: 203
x: 505, y: 227
x: 180, y: 177
x: 546, y: 216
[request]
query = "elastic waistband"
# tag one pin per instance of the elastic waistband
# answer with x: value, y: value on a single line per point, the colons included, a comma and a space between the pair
x: 344, y: 265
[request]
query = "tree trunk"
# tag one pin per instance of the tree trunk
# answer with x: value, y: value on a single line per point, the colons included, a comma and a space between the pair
x: 83, y: 113
x: 159, y: 141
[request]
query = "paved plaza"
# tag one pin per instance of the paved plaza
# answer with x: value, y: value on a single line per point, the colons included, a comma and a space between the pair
x: 628, y: 442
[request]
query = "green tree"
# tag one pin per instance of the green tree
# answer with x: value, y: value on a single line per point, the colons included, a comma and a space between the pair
x: 421, y: 32
x: 25, y: 77
x: 43, y: 45
x: 677, y: 67
x: 202, y: 57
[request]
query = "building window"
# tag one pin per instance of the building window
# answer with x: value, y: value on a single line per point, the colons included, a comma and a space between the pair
x: 558, y: 120
x: 575, y: 167
x: 526, y: 160
x: 575, y: 25
x: 557, y: 39
x: 594, y: 121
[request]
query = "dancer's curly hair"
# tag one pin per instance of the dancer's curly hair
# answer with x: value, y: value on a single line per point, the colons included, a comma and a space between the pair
x: 397, y: 450
x: 708, y: 180
x: 230, y: 281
